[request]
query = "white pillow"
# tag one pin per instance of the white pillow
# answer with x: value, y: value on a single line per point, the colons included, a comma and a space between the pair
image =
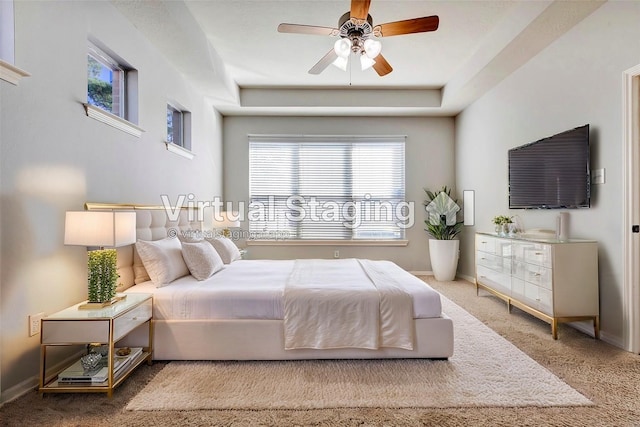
x: 203, y: 261
x: 140, y: 274
x: 225, y: 247
x: 190, y: 236
x: 163, y: 260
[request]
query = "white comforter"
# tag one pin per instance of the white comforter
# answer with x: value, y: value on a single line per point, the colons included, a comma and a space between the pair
x: 253, y: 289
x: 346, y: 303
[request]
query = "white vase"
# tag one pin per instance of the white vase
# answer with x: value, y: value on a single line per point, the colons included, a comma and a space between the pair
x: 444, y: 258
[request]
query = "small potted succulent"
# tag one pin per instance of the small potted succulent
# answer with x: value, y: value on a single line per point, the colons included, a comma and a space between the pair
x: 502, y: 224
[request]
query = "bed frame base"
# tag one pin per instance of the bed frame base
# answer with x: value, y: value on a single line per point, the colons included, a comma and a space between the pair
x: 250, y: 339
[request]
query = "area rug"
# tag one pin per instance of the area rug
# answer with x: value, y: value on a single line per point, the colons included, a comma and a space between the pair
x: 485, y: 371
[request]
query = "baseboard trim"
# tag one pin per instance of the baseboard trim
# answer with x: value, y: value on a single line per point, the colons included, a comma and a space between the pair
x: 32, y: 383
x: 422, y: 273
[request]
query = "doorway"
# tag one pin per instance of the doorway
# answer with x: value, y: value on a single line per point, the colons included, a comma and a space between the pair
x: 631, y: 238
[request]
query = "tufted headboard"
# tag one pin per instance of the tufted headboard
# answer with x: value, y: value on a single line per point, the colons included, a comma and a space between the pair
x: 152, y: 223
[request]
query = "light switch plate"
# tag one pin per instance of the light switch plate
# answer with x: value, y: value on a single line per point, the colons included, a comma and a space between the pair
x: 597, y: 177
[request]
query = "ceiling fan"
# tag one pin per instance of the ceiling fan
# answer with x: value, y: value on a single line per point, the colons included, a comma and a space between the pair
x: 358, y: 35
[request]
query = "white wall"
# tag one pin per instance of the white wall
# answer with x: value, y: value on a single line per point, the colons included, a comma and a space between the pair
x: 575, y: 81
x: 429, y: 163
x: 54, y: 158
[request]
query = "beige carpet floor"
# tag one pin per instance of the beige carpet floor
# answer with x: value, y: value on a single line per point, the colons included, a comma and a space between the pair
x: 486, y: 370
x: 606, y: 375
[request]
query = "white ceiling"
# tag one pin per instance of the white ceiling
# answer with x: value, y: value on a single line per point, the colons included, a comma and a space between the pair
x: 245, y: 35
x: 232, y: 49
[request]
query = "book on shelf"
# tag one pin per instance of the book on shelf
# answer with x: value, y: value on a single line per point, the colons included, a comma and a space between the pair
x: 76, y: 373
x: 120, y: 362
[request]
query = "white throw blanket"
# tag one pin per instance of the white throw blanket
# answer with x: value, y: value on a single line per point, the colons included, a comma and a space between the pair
x: 346, y: 304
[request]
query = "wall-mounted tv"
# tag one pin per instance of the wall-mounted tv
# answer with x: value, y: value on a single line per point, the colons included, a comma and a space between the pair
x: 552, y: 173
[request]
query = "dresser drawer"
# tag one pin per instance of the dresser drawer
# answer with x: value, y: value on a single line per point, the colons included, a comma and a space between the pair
x: 499, y: 281
x: 494, y: 262
x: 538, y: 254
x: 486, y: 244
x: 493, y: 245
x: 130, y: 320
x: 536, y: 274
x: 539, y: 298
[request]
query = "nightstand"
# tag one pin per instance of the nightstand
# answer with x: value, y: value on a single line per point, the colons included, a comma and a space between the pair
x: 106, y: 326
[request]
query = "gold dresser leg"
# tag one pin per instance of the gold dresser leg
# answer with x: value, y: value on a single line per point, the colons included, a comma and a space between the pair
x: 596, y: 327
x: 554, y: 328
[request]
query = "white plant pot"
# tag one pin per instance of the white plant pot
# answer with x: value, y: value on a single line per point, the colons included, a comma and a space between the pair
x: 444, y: 258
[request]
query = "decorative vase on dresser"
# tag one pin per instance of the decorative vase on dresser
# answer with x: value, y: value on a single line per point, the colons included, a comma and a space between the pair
x: 553, y: 280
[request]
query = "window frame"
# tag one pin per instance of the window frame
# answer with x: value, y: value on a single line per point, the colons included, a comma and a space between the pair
x: 119, y: 74
x: 349, y: 142
x: 181, y: 147
x: 127, y: 121
x: 8, y: 70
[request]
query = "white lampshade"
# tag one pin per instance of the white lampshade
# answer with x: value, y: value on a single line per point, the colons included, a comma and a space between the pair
x: 341, y: 63
x: 366, y: 62
x: 226, y: 220
x: 372, y: 48
x: 100, y: 228
x: 342, y: 47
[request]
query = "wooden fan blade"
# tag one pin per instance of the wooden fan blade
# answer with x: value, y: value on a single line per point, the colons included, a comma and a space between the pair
x: 324, y: 62
x: 381, y: 66
x: 409, y: 26
x: 360, y: 8
x: 307, y: 29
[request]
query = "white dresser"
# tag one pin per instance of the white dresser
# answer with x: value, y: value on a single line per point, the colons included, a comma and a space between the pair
x: 556, y: 281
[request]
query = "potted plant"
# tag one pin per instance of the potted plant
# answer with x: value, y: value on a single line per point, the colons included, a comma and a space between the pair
x: 502, y: 224
x: 443, y: 226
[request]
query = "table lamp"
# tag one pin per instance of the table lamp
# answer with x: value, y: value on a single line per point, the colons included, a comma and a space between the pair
x: 100, y: 229
x: 226, y: 220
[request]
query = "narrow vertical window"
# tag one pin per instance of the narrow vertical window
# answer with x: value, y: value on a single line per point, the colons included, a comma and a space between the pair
x: 178, y: 130
x: 105, y: 82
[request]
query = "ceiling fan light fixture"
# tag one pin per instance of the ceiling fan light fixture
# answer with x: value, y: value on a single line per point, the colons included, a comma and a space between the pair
x: 372, y: 48
x: 366, y: 62
x: 342, y: 47
x: 341, y: 62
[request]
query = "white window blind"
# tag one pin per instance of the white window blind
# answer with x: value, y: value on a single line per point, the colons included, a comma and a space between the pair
x: 326, y: 187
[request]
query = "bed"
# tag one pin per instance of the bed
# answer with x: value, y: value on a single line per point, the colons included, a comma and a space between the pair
x: 241, y: 312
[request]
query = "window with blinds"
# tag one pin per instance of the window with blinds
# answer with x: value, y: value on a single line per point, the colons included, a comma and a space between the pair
x: 326, y: 187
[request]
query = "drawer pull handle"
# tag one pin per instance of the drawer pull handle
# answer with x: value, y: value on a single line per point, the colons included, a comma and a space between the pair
x: 537, y: 274
x: 539, y: 253
x: 135, y: 318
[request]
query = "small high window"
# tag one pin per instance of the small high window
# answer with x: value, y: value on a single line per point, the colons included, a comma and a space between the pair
x: 178, y: 126
x: 106, y: 81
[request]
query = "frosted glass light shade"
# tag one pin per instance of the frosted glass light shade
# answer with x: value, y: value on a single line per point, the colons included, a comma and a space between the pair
x: 342, y: 47
x: 372, y: 48
x: 366, y: 62
x: 97, y: 228
x: 341, y: 62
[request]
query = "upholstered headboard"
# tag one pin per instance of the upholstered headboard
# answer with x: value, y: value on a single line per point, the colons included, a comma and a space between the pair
x: 152, y: 223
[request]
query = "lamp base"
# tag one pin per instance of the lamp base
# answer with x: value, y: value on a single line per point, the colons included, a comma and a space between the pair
x: 98, y: 305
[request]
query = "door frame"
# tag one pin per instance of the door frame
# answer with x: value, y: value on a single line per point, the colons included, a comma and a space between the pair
x: 631, y: 206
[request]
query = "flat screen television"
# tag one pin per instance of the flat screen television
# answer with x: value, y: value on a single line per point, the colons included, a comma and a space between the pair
x: 552, y: 173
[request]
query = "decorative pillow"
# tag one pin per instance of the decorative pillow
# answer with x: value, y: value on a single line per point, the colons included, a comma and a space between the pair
x: 163, y: 260
x: 190, y: 236
x: 227, y: 250
x: 203, y: 261
x: 140, y: 274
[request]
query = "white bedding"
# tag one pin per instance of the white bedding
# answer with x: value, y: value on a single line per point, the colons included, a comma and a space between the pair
x: 346, y: 304
x: 253, y: 289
